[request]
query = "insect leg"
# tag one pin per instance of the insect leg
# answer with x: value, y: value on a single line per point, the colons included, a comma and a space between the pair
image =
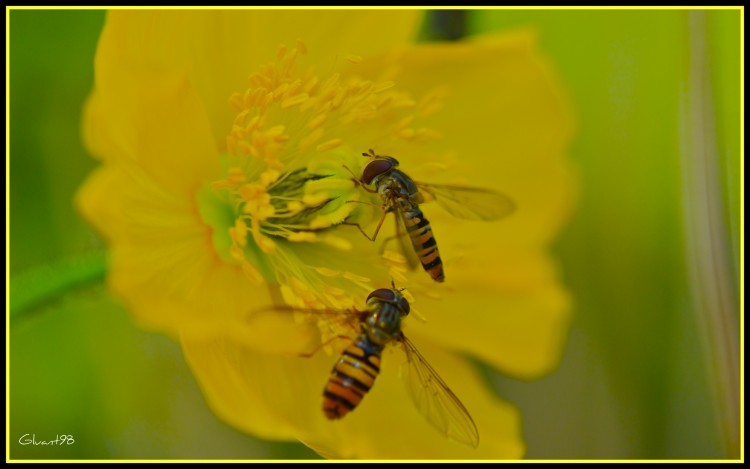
x: 363, y: 202
x: 377, y: 230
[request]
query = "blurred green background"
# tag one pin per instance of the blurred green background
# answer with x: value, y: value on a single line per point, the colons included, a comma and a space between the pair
x: 652, y: 255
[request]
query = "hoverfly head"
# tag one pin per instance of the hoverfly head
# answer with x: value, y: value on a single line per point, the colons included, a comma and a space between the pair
x: 377, y: 168
x: 393, y: 296
x: 379, y: 165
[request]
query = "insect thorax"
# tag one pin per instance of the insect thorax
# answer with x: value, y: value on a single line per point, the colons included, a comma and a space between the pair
x: 395, y: 185
x: 383, y: 325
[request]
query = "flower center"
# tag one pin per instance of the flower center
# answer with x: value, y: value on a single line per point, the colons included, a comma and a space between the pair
x: 293, y: 151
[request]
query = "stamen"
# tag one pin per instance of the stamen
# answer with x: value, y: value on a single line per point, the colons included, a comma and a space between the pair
x: 237, y: 102
x: 355, y: 277
x: 328, y: 272
x: 294, y: 207
x: 301, y: 236
x: 253, y: 124
x: 329, y: 145
x: 386, y: 85
x: 331, y: 290
x: 339, y: 243
x: 310, y: 139
x: 393, y: 256
x: 314, y: 200
x: 289, y: 102
x: 317, y: 121
x: 281, y: 52
x: 286, y: 182
x: 264, y: 243
x: 407, y: 134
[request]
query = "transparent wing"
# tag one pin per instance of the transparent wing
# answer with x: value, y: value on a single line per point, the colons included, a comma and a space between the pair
x: 404, y: 243
x: 435, y: 400
x: 469, y: 203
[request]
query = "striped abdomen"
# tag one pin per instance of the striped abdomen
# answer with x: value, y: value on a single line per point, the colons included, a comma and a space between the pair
x: 352, y: 376
x: 424, y: 243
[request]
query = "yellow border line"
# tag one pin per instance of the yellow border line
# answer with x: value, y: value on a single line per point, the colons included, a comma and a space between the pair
x: 355, y: 7
x: 94, y: 461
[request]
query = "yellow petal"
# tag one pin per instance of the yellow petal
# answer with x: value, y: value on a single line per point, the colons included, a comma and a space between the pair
x: 239, y: 386
x: 505, y: 307
x: 154, y: 123
x: 219, y: 49
x: 505, y: 124
x: 275, y: 397
x: 162, y: 262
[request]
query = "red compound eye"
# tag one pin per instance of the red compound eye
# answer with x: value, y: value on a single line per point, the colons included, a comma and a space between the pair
x: 375, y: 168
x: 404, y: 305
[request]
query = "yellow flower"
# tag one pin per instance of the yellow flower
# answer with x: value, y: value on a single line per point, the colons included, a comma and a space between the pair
x: 227, y: 141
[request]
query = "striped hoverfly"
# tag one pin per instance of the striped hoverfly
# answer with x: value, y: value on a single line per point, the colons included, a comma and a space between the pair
x: 356, y: 369
x: 402, y: 196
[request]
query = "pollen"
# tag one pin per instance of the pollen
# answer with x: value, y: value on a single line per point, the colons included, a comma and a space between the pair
x: 317, y: 121
x: 337, y: 242
x: 330, y: 144
x: 294, y: 207
x: 326, y: 272
x: 268, y: 177
x: 302, y: 236
x: 314, y: 200
x: 386, y: 85
x: 294, y: 100
x: 355, y: 277
x: 394, y: 257
x: 252, y: 192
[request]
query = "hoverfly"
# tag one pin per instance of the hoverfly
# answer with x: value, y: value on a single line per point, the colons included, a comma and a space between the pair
x: 355, y: 371
x: 401, y: 195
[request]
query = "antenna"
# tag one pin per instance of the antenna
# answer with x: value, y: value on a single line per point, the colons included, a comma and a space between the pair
x: 393, y: 284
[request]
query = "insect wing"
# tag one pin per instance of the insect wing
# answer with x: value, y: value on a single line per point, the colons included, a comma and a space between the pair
x: 469, y: 203
x: 404, y: 244
x: 434, y: 400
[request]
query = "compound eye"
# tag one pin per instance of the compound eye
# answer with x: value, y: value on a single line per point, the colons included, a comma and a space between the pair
x: 404, y: 305
x: 375, y: 168
x: 383, y: 294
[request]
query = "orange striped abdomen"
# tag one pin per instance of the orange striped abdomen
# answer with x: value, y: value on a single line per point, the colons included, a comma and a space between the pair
x: 351, y: 378
x: 424, y: 243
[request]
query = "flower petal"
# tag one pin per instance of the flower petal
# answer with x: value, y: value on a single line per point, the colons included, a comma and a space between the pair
x: 276, y: 397
x: 219, y: 49
x: 515, y: 319
x: 505, y: 125
x: 151, y: 122
x: 162, y: 262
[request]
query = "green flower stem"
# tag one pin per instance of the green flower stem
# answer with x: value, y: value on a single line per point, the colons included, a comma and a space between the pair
x: 46, y: 282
